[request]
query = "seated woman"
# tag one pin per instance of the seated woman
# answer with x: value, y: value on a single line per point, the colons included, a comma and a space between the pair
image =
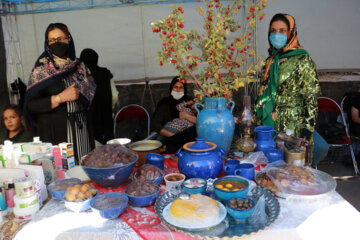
x: 180, y: 124
x: 13, y: 121
x: 166, y: 111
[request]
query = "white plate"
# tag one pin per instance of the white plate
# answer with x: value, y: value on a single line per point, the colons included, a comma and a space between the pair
x: 168, y: 219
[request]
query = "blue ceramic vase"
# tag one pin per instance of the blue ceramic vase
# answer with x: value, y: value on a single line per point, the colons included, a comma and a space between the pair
x: 215, y: 122
x: 265, y: 136
x: 200, y: 159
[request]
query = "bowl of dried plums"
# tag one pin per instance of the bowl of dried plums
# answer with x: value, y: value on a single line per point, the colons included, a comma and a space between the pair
x: 109, y: 165
x: 150, y: 172
x: 142, y: 193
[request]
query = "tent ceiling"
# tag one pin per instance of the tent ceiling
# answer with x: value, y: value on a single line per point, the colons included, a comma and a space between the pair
x: 42, y: 6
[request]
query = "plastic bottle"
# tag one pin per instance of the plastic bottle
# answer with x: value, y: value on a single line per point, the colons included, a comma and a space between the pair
x: 3, y: 206
x: 8, y: 154
x: 9, y: 195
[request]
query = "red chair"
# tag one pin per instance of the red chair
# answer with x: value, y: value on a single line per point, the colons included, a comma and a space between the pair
x: 327, y: 104
x: 133, y: 111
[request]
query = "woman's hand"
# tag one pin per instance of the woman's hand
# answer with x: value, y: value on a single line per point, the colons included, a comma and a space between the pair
x: 69, y: 94
x: 185, y: 116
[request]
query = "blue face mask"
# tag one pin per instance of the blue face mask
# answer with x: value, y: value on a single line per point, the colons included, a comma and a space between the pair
x: 278, y: 40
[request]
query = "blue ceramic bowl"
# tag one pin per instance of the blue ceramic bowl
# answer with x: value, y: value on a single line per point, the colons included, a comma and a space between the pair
x: 194, y: 185
x: 274, y: 155
x: 226, y: 195
x: 240, y: 215
x: 142, y: 201
x: 157, y: 181
x: 79, y: 206
x: 59, y: 194
x: 113, y: 212
x: 155, y: 159
x: 110, y: 177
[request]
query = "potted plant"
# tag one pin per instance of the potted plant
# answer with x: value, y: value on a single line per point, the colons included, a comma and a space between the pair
x: 215, y: 59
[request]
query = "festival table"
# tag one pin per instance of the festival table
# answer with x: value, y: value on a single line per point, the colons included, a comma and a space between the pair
x: 325, y: 217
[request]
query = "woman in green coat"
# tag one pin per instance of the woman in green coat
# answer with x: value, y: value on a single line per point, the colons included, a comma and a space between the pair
x: 289, y: 84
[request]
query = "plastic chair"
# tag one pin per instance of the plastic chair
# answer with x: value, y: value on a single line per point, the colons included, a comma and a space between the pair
x: 133, y: 112
x: 328, y: 104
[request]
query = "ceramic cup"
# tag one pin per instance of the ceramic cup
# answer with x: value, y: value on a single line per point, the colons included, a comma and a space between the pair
x: 245, y: 170
x: 230, y: 166
x: 155, y: 159
x: 173, y: 182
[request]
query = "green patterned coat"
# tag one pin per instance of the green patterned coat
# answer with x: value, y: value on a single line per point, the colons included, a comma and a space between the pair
x: 296, y: 98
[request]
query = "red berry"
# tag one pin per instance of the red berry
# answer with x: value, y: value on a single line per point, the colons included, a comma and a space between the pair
x: 174, y: 33
x: 182, y: 36
x: 261, y: 18
x: 250, y: 55
x: 239, y: 6
x: 173, y: 61
x: 239, y: 39
x: 216, y: 6
x: 249, y: 38
x: 239, y: 26
x: 167, y: 21
x: 198, y: 37
x: 243, y: 60
x: 252, y: 9
x: 216, y: 0
x: 164, y: 32
x: 169, y: 25
x: 247, y: 18
x: 250, y: 34
x: 161, y: 63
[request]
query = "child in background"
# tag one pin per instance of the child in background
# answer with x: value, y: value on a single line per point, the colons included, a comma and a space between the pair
x: 15, y: 131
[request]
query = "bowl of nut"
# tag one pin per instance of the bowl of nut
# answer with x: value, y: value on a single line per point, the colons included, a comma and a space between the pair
x: 150, y: 172
x: 77, y: 198
x: 231, y: 187
x: 109, y: 165
x: 142, y: 193
x: 240, y: 208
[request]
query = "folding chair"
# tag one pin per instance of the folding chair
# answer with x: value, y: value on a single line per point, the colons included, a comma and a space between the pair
x: 327, y: 104
x: 128, y: 115
x: 346, y: 108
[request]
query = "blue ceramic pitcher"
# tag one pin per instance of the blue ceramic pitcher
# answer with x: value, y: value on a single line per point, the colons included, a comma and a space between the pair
x: 265, y: 136
x: 215, y: 122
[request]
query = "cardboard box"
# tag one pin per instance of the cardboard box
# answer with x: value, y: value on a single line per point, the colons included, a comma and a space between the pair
x: 68, y: 162
x: 66, y: 149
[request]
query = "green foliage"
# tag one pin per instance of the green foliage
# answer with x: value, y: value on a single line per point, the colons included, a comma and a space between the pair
x: 222, y: 65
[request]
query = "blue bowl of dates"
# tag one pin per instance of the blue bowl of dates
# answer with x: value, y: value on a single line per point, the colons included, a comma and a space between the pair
x: 142, y: 193
x: 109, y: 165
x: 59, y: 187
x: 150, y: 172
x: 231, y: 187
x: 240, y: 208
x: 109, y: 205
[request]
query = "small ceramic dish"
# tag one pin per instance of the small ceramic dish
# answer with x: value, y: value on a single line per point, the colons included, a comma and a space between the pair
x: 240, y: 215
x: 194, y: 186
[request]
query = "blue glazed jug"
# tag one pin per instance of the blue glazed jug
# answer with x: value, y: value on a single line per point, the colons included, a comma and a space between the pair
x: 215, y: 122
x: 265, y: 136
x: 201, y: 159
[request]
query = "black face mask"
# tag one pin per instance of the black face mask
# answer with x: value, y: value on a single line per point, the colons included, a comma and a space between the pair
x: 60, y: 49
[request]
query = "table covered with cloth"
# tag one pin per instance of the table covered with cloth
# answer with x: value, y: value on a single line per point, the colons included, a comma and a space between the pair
x: 326, y: 217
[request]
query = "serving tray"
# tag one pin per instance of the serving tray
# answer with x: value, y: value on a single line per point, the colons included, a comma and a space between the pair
x: 228, y: 228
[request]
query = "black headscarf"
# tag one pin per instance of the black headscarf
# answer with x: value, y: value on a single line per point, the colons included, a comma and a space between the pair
x: 171, y: 102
